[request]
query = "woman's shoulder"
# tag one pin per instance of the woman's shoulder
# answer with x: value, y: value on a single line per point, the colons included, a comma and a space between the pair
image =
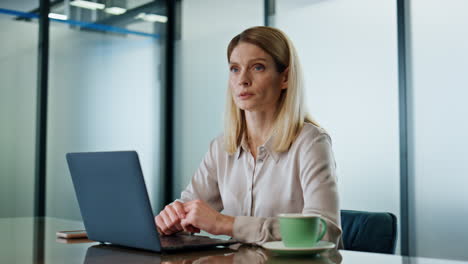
x: 219, y: 139
x: 311, y: 133
x: 217, y: 143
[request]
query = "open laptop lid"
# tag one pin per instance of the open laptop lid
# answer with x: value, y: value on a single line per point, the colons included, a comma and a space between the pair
x: 113, y: 200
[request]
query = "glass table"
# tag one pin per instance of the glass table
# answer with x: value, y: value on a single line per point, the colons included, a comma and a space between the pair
x: 33, y: 240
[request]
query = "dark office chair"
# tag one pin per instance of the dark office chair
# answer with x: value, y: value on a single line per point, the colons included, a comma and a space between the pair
x: 370, y: 232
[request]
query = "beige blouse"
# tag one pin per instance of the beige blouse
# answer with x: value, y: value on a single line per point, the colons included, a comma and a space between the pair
x: 300, y: 180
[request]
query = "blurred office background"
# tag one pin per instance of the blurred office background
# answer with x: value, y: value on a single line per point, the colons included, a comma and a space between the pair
x: 385, y: 78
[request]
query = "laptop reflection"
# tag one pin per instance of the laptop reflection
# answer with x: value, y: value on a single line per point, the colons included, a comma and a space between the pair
x: 106, y: 254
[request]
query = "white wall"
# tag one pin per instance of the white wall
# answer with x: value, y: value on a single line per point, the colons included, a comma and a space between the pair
x: 104, y: 96
x: 18, y: 75
x: 201, y: 73
x: 438, y: 141
x: 348, y: 50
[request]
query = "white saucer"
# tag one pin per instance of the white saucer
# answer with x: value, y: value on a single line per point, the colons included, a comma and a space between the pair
x: 279, y: 248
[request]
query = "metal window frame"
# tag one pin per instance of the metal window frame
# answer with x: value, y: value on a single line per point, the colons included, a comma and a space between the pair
x: 173, y: 22
x: 41, y: 109
x: 403, y: 16
x: 41, y: 132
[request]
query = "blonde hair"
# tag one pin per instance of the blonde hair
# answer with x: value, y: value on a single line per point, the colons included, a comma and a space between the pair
x: 291, y: 113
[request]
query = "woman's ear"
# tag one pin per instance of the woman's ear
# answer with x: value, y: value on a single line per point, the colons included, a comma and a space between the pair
x: 284, y: 79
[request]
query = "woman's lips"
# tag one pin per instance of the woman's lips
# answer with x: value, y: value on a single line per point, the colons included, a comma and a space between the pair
x: 244, y: 96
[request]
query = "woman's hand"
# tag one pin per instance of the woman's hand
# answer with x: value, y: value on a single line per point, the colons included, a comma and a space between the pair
x: 168, y: 220
x: 200, y: 215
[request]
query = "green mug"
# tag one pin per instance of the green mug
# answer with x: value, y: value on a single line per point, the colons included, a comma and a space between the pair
x: 301, y: 230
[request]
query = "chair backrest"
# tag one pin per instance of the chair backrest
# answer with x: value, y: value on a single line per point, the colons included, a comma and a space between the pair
x: 368, y: 231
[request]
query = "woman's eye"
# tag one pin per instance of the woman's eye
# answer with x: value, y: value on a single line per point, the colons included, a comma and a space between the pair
x: 259, y: 67
x: 234, y: 69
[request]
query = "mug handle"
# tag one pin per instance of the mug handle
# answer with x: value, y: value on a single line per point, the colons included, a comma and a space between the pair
x: 324, y: 229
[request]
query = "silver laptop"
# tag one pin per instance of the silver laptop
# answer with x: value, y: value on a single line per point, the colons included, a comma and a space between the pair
x: 114, y: 203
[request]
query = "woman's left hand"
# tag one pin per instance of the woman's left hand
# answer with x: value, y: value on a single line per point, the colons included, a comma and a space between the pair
x: 200, y: 215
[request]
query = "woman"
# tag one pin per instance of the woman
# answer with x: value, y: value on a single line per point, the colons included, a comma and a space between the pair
x: 272, y: 157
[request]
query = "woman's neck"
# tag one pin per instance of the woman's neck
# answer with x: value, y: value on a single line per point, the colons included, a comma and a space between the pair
x: 259, y: 125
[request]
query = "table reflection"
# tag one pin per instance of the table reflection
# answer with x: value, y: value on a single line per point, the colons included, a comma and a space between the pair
x: 101, y: 254
x: 33, y: 240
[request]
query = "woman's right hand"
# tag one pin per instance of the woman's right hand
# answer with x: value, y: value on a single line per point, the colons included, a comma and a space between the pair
x: 168, y: 220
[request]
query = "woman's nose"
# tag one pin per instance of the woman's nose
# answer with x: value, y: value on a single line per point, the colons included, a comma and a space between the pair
x: 244, y: 79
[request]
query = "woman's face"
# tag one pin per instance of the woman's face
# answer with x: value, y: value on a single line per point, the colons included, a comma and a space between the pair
x: 253, y: 79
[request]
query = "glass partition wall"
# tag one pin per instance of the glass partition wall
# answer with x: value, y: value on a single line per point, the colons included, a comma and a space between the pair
x: 106, y: 60
x: 438, y: 153
x: 18, y: 74
x: 104, y: 91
